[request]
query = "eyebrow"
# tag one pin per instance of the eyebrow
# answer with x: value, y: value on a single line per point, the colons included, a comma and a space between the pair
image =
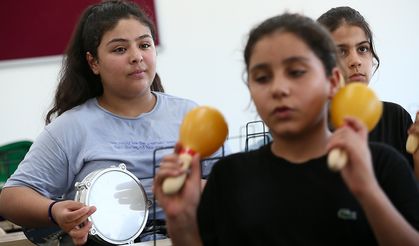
x: 115, y: 40
x: 363, y: 42
x: 287, y: 61
x: 358, y: 44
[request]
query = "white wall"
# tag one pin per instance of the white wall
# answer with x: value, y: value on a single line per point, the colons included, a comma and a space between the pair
x: 200, y: 57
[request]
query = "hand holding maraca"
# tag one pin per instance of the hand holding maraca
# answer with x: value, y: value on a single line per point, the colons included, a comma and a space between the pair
x: 203, y: 131
x: 356, y: 100
x: 412, y: 142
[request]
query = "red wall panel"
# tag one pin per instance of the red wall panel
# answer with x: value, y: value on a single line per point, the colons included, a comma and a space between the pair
x: 35, y: 28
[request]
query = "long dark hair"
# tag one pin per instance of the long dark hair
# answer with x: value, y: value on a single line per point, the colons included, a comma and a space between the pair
x: 77, y: 82
x: 336, y: 17
x: 311, y: 33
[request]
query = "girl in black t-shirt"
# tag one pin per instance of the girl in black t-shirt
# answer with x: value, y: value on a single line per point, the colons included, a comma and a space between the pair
x: 354, y: 40
x: 283, y: 193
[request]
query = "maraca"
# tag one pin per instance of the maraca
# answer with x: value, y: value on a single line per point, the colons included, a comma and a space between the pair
x: 412, y: 142
x: 357, y: 100
x: 202, y: 131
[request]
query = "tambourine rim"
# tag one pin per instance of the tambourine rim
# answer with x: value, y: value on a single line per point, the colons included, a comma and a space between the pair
x: 96, y: 175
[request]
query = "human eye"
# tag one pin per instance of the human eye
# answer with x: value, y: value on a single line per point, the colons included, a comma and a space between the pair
x: 364, y: 49
x: 261, y: 77
x: 119, y: 50
x: 342, y: 52
x: 296, y: 72
x: 145, y: 44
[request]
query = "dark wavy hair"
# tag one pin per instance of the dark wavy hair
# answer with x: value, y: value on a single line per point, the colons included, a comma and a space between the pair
x: 77, y: 82
x: 311, y: 33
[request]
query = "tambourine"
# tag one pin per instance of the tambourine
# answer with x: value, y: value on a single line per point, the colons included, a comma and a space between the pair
x: 121, y: 202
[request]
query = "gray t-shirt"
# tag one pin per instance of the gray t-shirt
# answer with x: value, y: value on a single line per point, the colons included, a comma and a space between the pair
x: 88, y: 137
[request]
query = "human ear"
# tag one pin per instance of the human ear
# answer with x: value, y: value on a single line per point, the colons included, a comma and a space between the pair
x: 92, y: 63
x: 337, y: 81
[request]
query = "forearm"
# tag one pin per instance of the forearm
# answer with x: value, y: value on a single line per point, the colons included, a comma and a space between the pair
x: 183, y: 231
x: 389, y: 227
x: 24, y: 206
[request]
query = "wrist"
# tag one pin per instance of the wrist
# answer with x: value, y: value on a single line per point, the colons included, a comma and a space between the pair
x: 50, y: 216
x: 368, y: 193
x: 182, y: 222
x: 184, y: 234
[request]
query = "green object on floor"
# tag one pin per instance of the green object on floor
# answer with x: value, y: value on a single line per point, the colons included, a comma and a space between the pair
x: 10, y: 157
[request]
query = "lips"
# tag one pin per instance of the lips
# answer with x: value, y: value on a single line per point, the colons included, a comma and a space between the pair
x: 357, y: 77
x: 138, y: 74
x: 282, y: 112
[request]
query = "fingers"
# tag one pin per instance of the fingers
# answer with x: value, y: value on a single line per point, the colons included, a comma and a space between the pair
x: 70, y: 214
x: 195, y: 174
x: 80, y: 215
x: 170, y: 166
x: 71, y: 205
x: 178, y: 147
x: 414, y: 128
x: 338, y: 139
x: 356, y: 125
x: 171, y: 162
x: 79, y: 234
x: 342, y: 136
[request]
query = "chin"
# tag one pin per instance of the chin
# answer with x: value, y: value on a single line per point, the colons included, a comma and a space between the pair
x: 284, y: 133
x: 357, y: 81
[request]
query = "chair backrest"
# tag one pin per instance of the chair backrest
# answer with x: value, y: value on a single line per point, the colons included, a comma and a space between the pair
x: 10, y: 156
x: 257, y: 135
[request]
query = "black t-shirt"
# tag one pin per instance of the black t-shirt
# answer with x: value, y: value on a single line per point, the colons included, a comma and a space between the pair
x: 256, y: 198
x: 392, y: 128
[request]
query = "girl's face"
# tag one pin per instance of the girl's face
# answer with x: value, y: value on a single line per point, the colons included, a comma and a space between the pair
x: 355, y: 51
x: 288, y: 85
x: 126, y: 60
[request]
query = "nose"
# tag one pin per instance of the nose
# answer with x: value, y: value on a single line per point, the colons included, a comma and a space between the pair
x: 354, y: 60
x: 280, y: 87
x: 136, y: 56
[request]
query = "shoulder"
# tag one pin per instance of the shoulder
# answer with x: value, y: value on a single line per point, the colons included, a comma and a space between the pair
x: 393, y: 109
x: 171, y: 100
x: 171, y: 107
x: 73, y: 121
x: 393, y: 106
x: 384, y: 151
x: 387, y: 160
x: 86, y: 108
x: 396, y: 178
x: 394, y: 119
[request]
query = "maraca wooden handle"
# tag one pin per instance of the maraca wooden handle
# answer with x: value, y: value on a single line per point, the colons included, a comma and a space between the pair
x: 174, y: 184
x: 337, y: 159
x: 412, y: 143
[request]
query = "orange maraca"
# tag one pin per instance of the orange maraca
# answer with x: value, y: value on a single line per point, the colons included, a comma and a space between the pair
x: 355, y: 99
x: 202, y: 131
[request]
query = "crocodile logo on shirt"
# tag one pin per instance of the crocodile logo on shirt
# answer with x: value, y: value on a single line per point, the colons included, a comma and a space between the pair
x: 346, y: 214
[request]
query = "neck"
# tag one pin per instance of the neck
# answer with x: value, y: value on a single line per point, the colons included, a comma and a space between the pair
x: 131, y: 107
x: 301, y: 148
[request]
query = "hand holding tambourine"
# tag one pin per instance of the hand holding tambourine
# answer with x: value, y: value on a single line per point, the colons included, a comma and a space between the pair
x: 202, y: 131
x: 357, y: 100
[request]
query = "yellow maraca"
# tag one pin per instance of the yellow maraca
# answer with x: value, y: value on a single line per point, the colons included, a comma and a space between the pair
x: 355, y: 99
x: 202, y: 131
